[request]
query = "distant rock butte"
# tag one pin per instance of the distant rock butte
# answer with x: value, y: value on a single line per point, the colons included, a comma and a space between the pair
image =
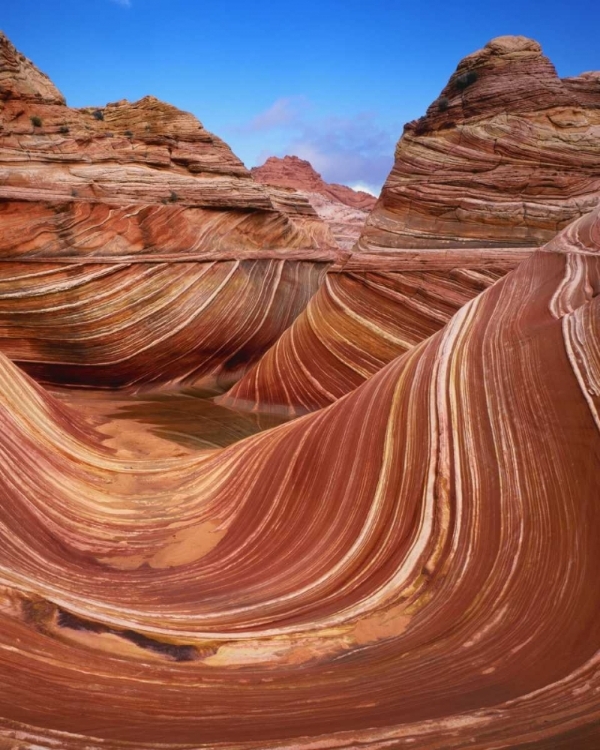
x: 293, y: 172
x: 507, y: 155
x: 342, y: 209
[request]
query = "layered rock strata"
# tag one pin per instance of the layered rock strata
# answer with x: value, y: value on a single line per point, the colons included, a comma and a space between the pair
x: 147, y: 324
x: 343, y: 209
x: 111, y: 222
x: 507, y: 155
x: 356, y: 323
x: 402, y: 568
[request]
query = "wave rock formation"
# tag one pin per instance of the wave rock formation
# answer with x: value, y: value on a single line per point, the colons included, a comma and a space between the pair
x: 416, y: 565
x: 505, y: 157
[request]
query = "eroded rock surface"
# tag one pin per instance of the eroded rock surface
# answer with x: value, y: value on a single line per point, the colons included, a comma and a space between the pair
x: 129, y: 233
x: 415, y: 565
x: 507, y: 155
x: 356, y: 323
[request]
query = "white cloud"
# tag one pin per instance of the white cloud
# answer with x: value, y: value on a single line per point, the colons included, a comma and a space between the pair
x: 123, y: 3
x: 347, y: 150
x: 283, y: 112
x: 363, y: 187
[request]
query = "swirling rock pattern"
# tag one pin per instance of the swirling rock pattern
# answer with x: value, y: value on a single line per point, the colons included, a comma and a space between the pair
x: 355, y: 324
x: 371, y: 308
x: 196, y: 271
x: 147, y: 324
x: 507, y: 155
x: 415, y: 565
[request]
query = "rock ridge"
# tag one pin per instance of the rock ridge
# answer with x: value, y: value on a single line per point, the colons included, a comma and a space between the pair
x: 293, y: 172
x: 507, y: 155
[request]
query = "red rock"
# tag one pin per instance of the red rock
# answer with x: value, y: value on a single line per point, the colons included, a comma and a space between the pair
x: 506, y: 157
x: 511, y: 159
x: 356, y: 323
x: 416, y: 565
x: 20, y: 79
x: 196, y: 269
x: 342, y: 209
x: 293, y: 172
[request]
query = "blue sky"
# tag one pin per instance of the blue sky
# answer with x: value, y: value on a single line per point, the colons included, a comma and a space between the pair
x: 331, y: 80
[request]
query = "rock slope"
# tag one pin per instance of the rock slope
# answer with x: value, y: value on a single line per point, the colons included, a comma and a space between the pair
x: 400, y: 569
x: 111, y: 223
x: 507, y: 155
x: 344, y: 210
x: 501, y: 161
x: 356, y: 323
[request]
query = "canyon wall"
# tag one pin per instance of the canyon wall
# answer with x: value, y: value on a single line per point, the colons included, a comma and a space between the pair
x: 135, y: 247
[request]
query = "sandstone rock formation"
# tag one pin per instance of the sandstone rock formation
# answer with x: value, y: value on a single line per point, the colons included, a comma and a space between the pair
x: 344, y: 210
x: 138, y: 324
x: 129, y: 232
x: 414, y: 566
x: 507, y: 156
x: 293, y: 172
x: 356, y: 323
